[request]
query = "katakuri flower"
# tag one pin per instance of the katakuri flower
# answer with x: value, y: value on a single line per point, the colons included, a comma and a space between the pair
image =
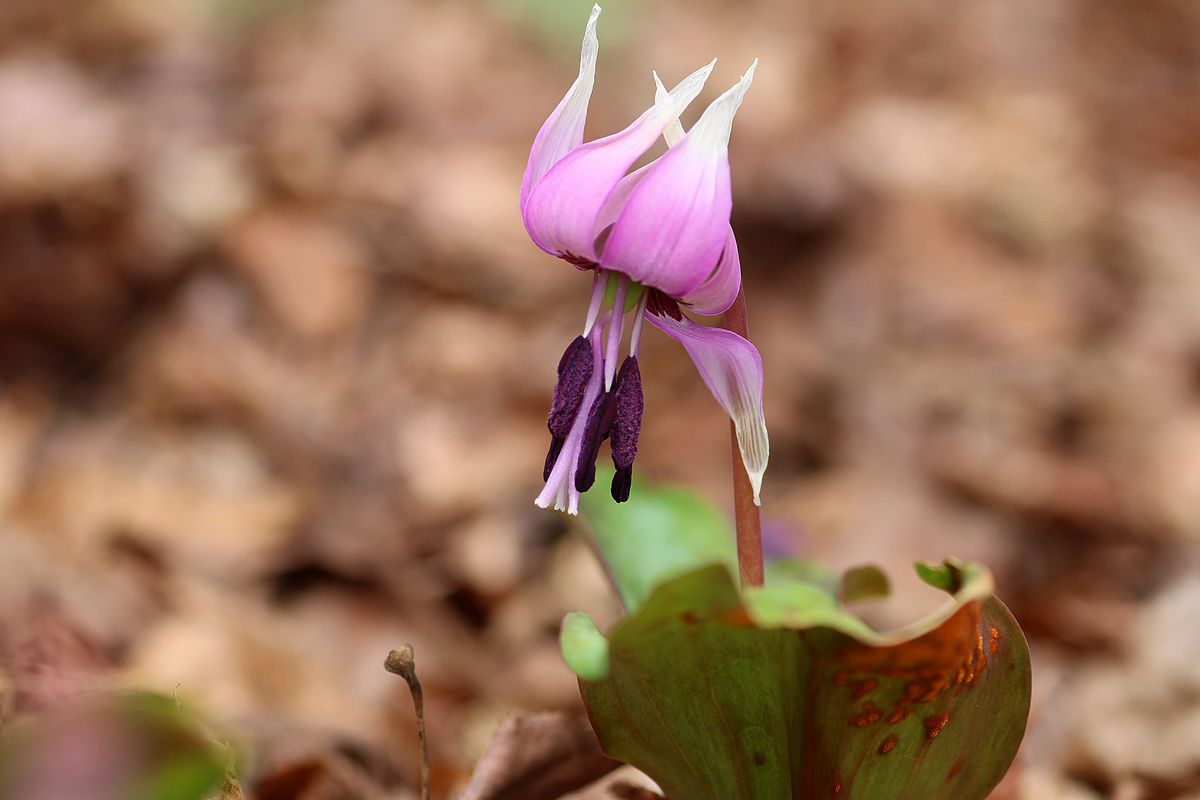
x: 660, y: 237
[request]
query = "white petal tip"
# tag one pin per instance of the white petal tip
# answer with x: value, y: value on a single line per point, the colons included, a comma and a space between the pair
x: 756, y: 484
x: 717, y: 120
x: 747, y: 78
x: 675, y: 101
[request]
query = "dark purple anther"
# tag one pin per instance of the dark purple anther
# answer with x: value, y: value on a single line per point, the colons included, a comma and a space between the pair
x: 627, y: 425
x: 622, y: 482
x: 556, y: 446
x: 599, y: 423
x: 574, y: 372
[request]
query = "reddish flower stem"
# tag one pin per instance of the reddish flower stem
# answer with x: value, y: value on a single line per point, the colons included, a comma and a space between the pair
x: 746, y: 513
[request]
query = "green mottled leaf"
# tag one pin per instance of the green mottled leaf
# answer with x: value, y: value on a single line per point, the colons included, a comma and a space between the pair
x: 657, y: 534
x: 781, y: 693
x: 799, y: 570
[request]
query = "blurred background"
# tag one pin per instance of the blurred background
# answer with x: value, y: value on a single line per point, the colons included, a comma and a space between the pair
x: 276, y: 353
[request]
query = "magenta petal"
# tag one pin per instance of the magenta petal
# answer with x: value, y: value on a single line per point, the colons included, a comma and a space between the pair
x: 733, y: 371
x: 563, y: 129
x: 562, y: 210
x: 620, y: 196
x: 673, y: 229
x: 720, y: 289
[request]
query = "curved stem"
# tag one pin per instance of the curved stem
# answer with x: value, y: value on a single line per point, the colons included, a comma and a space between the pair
x: 401, y: 662
x: 746, y: 514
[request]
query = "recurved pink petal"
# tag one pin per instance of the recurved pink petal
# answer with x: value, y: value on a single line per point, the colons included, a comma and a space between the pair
x: 719, y: 289
x: 673, y: 229
x: 563, y: 129
x: 673, y: 133
x: 733, y: 371
x: 562, y: 210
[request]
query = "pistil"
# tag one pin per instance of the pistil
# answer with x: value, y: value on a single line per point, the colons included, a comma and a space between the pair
x: 614, y: 331
x: 599, y: 281
x: 639, y: 315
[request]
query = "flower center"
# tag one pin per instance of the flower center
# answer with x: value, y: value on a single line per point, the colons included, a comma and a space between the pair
x: 594, y: 401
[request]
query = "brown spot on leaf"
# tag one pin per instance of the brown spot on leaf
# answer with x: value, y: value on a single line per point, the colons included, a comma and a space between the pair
x: 934, y: 725
x: 949, y: 658
x: 870, y: 713
x: 957, y: 768
x: 689, y: 618
x: 739, y: 617
x: 994, y: 633
x: 887, y: 746
x: 760, y: 759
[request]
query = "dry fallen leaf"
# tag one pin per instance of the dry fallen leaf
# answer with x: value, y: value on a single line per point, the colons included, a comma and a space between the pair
x: 537, y: 757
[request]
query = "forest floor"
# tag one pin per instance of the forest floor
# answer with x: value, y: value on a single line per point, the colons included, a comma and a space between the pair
x: 276, y: 353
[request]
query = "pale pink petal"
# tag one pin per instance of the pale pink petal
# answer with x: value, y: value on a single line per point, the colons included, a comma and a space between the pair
x: 673, y: 133
x: 563, y: 129
x: 673, y: 229
x: 620, y: 196
x: 562, y: 210
x: 720, y: 289
x: 733, y: 371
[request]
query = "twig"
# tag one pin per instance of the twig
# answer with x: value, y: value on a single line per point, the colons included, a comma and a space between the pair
x: 401, y: 662
x: 746, y: 513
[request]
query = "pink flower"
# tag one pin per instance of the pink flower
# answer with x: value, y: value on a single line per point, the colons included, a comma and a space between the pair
x: 661, y: 234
